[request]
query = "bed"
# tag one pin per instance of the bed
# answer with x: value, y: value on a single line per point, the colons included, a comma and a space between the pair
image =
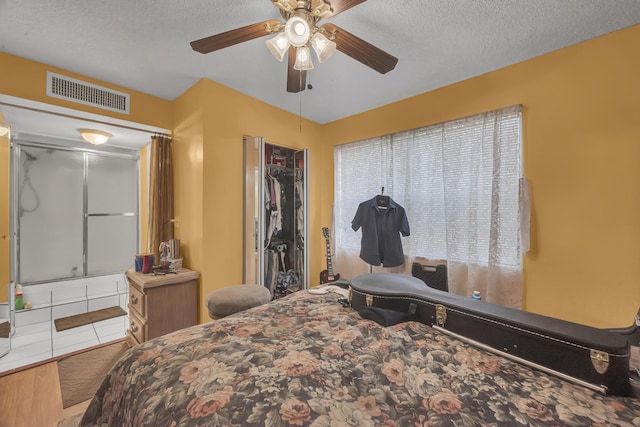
x: 307, y: 360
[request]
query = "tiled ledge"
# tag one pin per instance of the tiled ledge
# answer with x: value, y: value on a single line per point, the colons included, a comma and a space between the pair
x: 51, y: 301
x: 35, y: 337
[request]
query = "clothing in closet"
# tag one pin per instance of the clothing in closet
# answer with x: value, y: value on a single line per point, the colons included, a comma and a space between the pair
x: 382, y: 221
x: 283, y: 245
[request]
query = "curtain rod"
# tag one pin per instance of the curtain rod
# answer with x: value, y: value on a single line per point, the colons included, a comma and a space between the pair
x: 69, y: 116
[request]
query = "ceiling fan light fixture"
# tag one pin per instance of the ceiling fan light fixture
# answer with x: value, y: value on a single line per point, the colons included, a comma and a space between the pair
x: 322, y: 46
x: 297, y: 30
x: 286, y: 5
x: 300, y: 28
x: 303, y: 59
x: 95, y: 137
x: 278, y: 46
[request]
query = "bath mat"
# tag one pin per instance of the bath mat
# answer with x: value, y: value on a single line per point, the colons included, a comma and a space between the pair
x: 86, y: 318
x: 5, y: 329
x: 81, y: 374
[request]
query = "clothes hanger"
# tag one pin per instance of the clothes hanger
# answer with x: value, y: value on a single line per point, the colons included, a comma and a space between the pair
x: 382, y: 201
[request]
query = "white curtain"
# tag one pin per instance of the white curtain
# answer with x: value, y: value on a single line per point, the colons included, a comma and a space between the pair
x: 460, y: 184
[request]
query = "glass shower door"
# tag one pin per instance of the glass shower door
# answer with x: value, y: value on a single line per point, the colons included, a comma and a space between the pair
x: 76, y: 213
x: 49, y: 212
x: 5, y: 325
x: 5, y: 252
x: 112, y: 223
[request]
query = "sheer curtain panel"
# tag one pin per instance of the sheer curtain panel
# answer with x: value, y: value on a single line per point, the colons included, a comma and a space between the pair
x: 160, y: 194
x: 459, y: 182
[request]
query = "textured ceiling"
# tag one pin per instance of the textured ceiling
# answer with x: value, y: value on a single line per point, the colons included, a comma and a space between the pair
x: 144, y: 44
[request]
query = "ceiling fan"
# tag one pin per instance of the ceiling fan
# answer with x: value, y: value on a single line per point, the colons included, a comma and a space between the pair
x: 298, y: 33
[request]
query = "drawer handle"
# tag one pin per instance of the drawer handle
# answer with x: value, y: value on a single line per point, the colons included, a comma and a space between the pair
x: 134, y: 327
x: 134, y: 299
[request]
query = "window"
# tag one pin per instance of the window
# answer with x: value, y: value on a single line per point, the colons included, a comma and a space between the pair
x: 458, y: 182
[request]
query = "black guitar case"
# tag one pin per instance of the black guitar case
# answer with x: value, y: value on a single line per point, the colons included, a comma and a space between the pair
x: 592, y: 357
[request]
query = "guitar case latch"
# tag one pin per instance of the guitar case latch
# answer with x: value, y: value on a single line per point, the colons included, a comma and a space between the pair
x: 369, y: 300
x: 600, y: 361
x: 441, y: 315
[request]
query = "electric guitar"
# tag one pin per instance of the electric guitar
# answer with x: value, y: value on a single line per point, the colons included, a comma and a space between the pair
x: 327, y: 275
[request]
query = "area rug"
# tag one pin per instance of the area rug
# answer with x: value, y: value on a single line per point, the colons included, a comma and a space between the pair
x: 72, y: 421
x: 64, y: 323
x: 81, y: 374
x: 5, y: 329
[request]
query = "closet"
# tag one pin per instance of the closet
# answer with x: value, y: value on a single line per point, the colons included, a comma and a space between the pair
x: 275, y: 217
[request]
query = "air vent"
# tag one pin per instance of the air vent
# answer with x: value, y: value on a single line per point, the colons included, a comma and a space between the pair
x: 63, y: 87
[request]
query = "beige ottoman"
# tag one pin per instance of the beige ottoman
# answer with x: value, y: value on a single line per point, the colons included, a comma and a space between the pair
x: 232, y: 299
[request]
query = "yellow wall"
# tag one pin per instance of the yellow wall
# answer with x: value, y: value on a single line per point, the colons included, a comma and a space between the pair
x: 188, y: 180
x: 210, y: 123
x: 581, y: 155
x: 27, y: 79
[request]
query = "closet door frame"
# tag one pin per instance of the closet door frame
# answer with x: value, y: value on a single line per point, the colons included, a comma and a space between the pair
x: 305, y: 202
x: 254, y: 227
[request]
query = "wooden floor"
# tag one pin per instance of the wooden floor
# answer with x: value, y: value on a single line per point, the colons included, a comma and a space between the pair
x: 32, y: 397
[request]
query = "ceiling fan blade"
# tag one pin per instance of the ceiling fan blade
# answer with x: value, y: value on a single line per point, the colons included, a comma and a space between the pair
x: 338, y: 6
x: 361, y: 50
x: 233, y: 37
x: 296, y: 79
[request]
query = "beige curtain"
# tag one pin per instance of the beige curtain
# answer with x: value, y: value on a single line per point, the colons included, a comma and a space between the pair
x: 160, y: 194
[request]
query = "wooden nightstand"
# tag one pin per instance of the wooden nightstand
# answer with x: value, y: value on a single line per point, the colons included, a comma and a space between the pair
x: 161, y: 304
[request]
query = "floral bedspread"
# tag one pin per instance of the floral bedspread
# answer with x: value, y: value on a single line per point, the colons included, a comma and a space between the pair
x: 305, y: 360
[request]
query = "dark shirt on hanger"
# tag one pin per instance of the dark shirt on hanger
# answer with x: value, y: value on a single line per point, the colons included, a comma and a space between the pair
x: 381, y: 229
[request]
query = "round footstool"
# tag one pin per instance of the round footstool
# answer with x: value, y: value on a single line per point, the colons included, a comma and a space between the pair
x: 232, y: 299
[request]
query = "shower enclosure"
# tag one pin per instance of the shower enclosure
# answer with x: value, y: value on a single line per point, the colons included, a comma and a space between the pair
x: 75, y: 212
x: 74, y: 215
